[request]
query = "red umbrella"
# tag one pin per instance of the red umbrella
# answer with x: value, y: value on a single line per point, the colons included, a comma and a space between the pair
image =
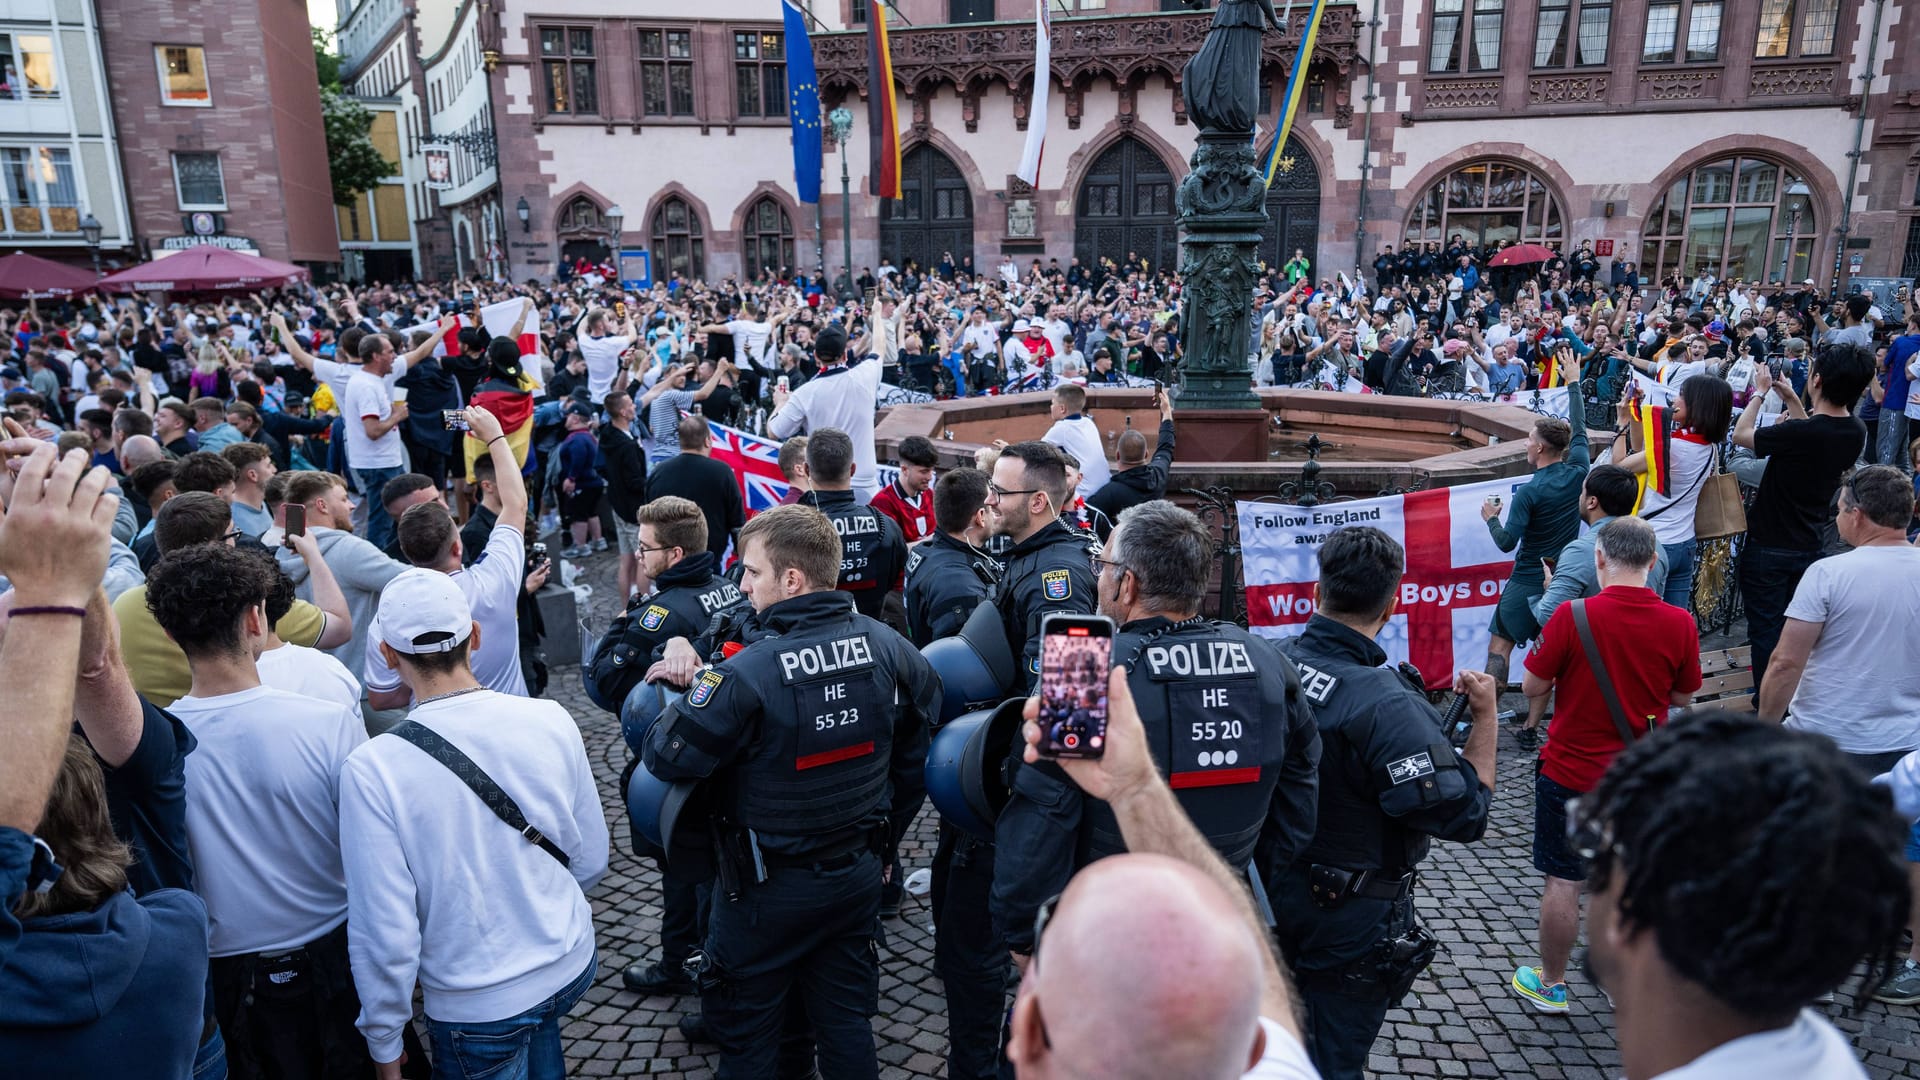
x: 30, y: 277
x: 204, y: 269
x: 1520, y: 254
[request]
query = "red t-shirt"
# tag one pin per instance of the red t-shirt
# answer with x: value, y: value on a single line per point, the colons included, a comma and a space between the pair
x: 913, y: 515
x: 1652, y: 650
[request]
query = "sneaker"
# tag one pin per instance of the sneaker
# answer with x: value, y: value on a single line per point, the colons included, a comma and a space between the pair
x: 657, y: 978
x: 578, y: 552
x: 1527, y: 982
x: 600, y: 543
x: 1528, y: 738
x: 1903, y: 988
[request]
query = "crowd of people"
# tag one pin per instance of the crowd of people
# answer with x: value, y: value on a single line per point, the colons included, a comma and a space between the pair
x: 254, y: 544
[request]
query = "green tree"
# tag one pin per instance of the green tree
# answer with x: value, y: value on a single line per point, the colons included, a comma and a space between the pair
x: 353, y: 162
x: 325, y: 61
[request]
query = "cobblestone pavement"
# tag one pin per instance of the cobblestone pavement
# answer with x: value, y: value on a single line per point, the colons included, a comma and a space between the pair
x: 1461, y: 1020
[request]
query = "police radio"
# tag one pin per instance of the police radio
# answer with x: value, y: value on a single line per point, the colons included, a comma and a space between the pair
x: 1076, y: 656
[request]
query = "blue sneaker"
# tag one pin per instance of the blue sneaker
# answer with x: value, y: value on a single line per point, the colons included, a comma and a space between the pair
x: 1527, y: 982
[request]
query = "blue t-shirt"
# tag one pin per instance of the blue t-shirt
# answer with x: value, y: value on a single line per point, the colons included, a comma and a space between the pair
x: 1899, y: 355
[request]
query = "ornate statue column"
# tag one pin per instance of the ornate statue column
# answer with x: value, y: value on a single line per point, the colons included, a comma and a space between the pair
x: 1222, y: 205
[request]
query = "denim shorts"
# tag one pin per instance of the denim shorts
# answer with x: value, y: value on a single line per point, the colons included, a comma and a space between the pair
x: 1552, y: 855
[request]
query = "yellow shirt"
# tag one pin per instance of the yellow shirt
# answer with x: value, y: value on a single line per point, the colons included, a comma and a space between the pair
x: 159, y: 668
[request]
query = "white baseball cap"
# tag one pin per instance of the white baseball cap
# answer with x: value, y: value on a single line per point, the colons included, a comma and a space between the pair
x: 423, y: 611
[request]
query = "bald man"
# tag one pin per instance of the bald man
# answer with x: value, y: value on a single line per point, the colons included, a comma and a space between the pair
x: 138, y: 450
x: 1152, y: 963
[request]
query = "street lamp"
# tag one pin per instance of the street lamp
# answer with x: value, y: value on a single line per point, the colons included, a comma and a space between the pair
x: 90, y: 228
x: 615, y: 216
x: 841, y: 120
x: 1797, y: 193
x: 524, y: 213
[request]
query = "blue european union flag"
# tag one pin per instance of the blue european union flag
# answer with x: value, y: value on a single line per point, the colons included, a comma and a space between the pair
x: 803, y: 106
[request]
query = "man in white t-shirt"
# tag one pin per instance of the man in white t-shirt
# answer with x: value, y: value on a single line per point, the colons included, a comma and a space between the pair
x: 491, y: 922
x: 1076, y: 433
x: 296, y: 668
x: 262, y: 794
x: 373, y: 421
x: 1736, y: 872
x: 602, y: 346
x: 1152, y: 963
x: 842, y: 397
x: 491, y: 583
x: 750, y: 332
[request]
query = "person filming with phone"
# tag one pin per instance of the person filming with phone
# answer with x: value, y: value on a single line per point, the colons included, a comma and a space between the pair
x: 1222, y: 709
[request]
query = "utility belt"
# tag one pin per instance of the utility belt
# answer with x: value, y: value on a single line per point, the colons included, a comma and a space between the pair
x: 1386, y: 973
x: 1331, y: 887
x: 739, y: 860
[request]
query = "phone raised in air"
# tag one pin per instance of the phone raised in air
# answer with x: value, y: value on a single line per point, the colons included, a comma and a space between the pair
x: 296, y: 519
x: 1076, y: 655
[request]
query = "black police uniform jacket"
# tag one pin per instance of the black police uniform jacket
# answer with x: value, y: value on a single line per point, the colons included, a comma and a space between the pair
x: 1228, y: 727
x: 946, y: 580
x: 873, y: 552
x: 686, y: 598
x: 1389, y: 783
x: 815, y: 733
x: 1047, y: 572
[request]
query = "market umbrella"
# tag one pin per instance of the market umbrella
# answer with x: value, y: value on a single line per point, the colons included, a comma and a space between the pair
x: 1521, y: 254
x: 204, y: 269
x: 30, y: 277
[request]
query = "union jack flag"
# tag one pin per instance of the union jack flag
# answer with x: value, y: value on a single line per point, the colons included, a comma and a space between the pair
x: 756, y: 461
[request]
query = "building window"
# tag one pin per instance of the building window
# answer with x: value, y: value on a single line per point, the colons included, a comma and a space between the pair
x: 198, y: 182
x: 760, y: 73
x: 41, y: 193
x: 768, y: 238
x: 1485, y: 203
x: 666, y: 72
x: 581, y: 215
x: 566, y: 54
x: 1466, y: 36
x: 183, y: 75
x: 1572, y: 33
x: 1739, y: 217
x: 1910, y: 265
x: 1672, y: 23
x: 27, y: 70
x: 1782, y: 35
x: 971, y: 11
x: 678, y: 246
x: 857, y: 12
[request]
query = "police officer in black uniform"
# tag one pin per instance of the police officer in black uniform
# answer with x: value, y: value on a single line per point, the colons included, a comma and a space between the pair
x: 1048, y: 567
x: 814, y: 735
x: 873, y: 552
x: 687, y: 596
x: 1224, y: 719
x: 1390, y: 781
x: 947, y: 575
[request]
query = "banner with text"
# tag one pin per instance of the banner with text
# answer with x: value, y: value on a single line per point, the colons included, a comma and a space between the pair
x: 1455, y: 572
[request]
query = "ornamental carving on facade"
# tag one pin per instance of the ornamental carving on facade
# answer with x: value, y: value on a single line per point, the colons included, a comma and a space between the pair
x: 1566, y: 89
x: 1678, y: 85
x: 1793, y: 81
x: 1467, y: 94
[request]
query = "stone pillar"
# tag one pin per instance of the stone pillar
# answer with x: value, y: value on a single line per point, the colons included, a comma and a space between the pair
x: 1222, y: 210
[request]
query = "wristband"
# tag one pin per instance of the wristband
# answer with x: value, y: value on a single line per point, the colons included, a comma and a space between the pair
x: 495, y: 439
x: 48, y: 609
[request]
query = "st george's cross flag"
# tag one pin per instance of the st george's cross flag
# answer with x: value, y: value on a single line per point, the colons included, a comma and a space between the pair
x: 1455, y: 572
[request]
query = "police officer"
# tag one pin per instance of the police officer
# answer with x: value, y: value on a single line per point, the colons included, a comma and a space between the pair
x: 873, y: 551
x: 947, y: 574
x: 1390, y: 781
x: 1224, y: 720
x: 1047, y: 566
x: 687, y: 595
x: 814, y: 734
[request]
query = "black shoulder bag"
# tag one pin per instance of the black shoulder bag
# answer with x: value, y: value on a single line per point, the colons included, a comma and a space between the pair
x: 468, y: 772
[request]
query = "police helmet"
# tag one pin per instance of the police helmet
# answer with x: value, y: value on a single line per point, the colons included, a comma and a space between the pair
x: 644, y: 704
x: 970, y: 766
x: 667, y: 814
x: 976, y: 666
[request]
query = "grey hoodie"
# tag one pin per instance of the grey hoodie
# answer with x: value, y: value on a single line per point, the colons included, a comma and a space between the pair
x: 362, y: 571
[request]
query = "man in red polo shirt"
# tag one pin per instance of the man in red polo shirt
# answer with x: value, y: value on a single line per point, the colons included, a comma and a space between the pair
x: 909, y: 500
x: 1651, y: 651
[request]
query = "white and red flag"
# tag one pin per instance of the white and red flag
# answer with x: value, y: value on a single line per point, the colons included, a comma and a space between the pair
x: 1029, y: 170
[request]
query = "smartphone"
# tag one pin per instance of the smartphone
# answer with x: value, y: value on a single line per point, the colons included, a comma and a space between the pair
x: 454, y: 420
x: 296, y: 519
x: 1076, y: 655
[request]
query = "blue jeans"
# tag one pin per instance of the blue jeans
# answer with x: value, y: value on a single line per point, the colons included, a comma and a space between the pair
x: 524, y: 1047
x: 210, y: 1062
x: 1679, y: 587
x: 379, y: 522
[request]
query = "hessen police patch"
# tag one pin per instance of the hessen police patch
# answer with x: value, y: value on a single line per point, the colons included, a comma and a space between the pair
x: 1056, y: 584
x: 653, y: 617
x: 1411, y: 768
x: 703, y: 688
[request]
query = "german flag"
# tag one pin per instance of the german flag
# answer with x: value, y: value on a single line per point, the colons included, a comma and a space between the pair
x: 883, y: 111
x: 1656, y: 442
x: 512, y: 405
x: 1550, y: 377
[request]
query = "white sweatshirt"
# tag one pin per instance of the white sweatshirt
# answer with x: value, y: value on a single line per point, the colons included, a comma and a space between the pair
x: 439, y: 887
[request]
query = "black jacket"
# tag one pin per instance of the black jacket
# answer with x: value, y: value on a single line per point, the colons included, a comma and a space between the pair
x: 712, y: 487
x: 946, y: 580
x: 626, y: 472
x: 1142, y: 483
x: 873, y: 551
x: 1050, y: 571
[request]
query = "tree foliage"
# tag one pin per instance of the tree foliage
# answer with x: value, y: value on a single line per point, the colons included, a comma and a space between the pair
x: 353, y: 162
x: 326, y: 62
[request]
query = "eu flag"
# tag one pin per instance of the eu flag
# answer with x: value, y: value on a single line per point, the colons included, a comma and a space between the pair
x: 803, y: 106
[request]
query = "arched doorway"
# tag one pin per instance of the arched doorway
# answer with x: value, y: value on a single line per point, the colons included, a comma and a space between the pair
x: 1125, y: 205
x: 1293, y: 210
x: 583, y: 232
x: 933, y: 216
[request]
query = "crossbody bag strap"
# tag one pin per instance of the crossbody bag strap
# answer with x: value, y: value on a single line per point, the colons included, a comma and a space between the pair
x: 1713, y: 460
x: 468, y: 772
x: 1600, y: 675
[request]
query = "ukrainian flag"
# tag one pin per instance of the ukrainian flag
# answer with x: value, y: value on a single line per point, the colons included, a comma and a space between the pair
x: 1296, y: 86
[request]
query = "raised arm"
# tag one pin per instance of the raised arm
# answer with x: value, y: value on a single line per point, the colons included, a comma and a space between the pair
x: 292, y: 344
x: 506, y: 471
x: 327, y: 594
x: 425, y: 349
